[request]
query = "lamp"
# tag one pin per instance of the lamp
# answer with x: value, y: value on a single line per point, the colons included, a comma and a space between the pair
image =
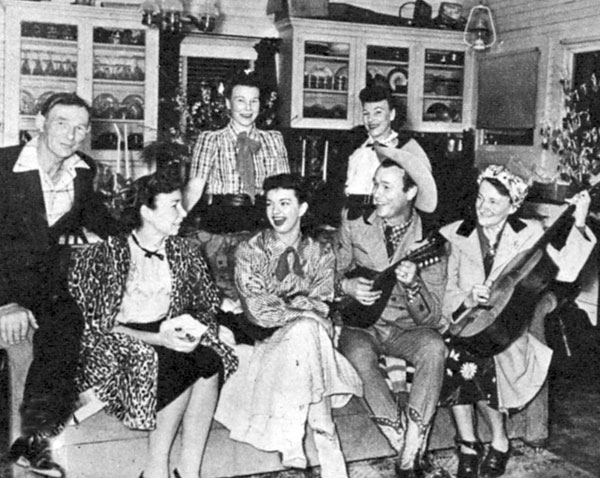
x: 175, y: 15
x: 480, y: 32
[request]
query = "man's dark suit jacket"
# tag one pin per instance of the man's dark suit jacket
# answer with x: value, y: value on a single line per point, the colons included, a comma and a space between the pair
x: 30, y: 256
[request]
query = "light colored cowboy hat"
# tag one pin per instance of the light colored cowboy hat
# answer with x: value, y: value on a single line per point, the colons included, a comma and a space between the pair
x: 415, y: 162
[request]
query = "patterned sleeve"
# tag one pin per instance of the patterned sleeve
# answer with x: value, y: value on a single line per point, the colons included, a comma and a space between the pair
x: 283, y: 165
x: 88, y: 279
x: 343, y: 248
x: 205, y: 294
x: 204, y: 155
x: 263, y: 306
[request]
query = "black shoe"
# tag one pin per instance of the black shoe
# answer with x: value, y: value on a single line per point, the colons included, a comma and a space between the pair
x: 468, y: 463
x: 33, y: 452
x: 494, y: 463
x: 176, y: 473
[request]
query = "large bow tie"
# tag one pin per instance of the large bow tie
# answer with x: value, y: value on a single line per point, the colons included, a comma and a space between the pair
x: 288, y: 261
x: 246, y: 147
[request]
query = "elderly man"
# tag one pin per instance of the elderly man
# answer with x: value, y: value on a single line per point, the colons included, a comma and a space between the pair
x: 229, y: 167
x: 48, y: 195
x: 411, y: 320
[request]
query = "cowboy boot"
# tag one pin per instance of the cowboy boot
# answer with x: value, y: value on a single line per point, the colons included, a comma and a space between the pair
x: 411, y: 461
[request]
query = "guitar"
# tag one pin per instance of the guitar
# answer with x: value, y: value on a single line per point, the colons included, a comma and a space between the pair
x: 514, y: 295
x: 355, y: 314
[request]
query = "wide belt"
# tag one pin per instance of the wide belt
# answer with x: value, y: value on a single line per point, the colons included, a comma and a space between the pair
x: 231, y: 200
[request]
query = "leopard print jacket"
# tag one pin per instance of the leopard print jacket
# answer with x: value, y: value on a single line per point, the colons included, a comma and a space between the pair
x: 120, y: 368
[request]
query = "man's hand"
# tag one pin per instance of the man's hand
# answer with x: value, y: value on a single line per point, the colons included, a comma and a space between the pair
x: 15, y: 322
x: 360, y: 289
x: 406, y: 273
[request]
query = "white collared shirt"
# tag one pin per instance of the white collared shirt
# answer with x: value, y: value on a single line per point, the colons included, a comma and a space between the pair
x: 59, y: 195
x: 362, y: 165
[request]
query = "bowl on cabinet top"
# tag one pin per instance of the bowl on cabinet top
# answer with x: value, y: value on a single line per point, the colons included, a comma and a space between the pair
x: 340, y: 49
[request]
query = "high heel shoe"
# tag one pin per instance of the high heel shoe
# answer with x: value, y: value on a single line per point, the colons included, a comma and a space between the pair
x: 494, y: 463
x: 468, y: 463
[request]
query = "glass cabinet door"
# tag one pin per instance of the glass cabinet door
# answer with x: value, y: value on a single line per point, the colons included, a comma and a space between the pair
x: 326, y: 74
x: 48, y: 65
x: 388, y: 67
x: 443, y: 86
x: 119, y: 72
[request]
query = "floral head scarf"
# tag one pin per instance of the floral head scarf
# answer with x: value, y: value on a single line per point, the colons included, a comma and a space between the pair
x: 516, y: 186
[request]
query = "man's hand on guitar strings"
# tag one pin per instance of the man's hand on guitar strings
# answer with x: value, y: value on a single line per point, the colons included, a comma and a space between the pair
x: 406, y: 273
x: 360, y: 289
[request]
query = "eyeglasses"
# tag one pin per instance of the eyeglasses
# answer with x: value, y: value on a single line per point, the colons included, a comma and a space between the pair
x: 66, y: 126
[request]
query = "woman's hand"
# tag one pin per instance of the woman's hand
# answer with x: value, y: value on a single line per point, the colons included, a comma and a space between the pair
x: 230, y: 305
x: 480, y: 295
x: 361, y: 290
x: 181, y: 333
x: 582, y: 202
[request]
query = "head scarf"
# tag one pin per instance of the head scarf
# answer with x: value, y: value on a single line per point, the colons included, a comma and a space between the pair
x: 516, y: 186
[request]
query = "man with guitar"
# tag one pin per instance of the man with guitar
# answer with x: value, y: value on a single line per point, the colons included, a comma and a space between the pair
x: 502, y: 368
x: 409, y: 324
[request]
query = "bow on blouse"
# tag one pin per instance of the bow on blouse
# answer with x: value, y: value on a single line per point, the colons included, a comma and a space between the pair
x: 246, y: 147
x: 289, y: 261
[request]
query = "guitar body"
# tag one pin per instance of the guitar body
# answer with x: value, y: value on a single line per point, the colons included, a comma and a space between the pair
x: 514, y: 297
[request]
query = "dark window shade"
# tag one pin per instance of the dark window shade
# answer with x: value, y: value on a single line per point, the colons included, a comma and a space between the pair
x: 508, y: 91
x: 211, y: 71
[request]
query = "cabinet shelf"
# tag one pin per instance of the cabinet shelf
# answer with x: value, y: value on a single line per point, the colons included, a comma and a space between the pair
x: 328, y: 58
x: 112, y: 48
x: 117, y: 120
x: 325, y: 91
x: 49, y: 44
x: 125, y: 83
x: 47, y: 80
x: 442, y: 66
x: 392, y: 63
x: 442, y: 97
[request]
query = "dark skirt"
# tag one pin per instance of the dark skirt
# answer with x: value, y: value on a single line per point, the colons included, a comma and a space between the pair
x: 468, y: 379
x: 177, y: 371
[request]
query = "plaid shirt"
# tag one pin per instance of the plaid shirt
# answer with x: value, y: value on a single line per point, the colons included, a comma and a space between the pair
x: 59, y: 195
x: 280, y: 302
x: 214, y: 159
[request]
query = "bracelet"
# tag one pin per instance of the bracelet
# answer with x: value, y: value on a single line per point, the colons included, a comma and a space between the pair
x: 338, y: 290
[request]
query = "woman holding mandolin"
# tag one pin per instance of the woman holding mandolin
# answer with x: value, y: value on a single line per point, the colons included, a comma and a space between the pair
x: 493, y: 248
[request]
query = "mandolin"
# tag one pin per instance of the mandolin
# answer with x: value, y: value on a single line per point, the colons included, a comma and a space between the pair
x: 355, y: 314
x: 514, y: 295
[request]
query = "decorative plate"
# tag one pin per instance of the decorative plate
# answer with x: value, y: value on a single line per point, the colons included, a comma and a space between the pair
x: 321, y: 71
x: 374, y: 72
x: 134, y: 104
x: 27, y: 103
x: 41, y: 100
x: 438, y: 112
x: 105, y: 105
x: 342, y: 72
x: 398, y: 80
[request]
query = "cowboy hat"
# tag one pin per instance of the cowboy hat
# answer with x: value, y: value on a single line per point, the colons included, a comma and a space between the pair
x: 415, y: 163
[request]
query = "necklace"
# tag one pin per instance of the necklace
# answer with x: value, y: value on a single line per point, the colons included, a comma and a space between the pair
x: 147, y: 252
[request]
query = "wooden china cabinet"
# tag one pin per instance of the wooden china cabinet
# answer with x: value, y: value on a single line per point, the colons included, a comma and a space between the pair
x: 324, y: 64
x: 103, y: 54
